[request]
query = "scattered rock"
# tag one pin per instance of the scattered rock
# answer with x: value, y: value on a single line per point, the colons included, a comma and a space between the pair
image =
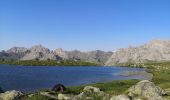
x: 91, y: 89
x: 167, y: 91
x: 120, y: 97
x: 11, y: 95
x: 59, y: 88
x: 147, y: 90
x: 64, y: 97
x: 80, y: 96
x: 89, y: 98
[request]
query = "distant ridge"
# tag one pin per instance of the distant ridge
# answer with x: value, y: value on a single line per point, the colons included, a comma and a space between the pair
x: 42, y: 53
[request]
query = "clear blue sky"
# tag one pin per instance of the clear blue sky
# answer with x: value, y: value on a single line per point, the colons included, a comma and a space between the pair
x: 83, y: 24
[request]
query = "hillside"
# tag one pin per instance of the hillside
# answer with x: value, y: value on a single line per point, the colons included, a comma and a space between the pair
x: 154, y: 51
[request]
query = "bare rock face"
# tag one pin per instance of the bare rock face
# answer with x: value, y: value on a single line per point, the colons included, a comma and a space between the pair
x: 99, y: 57
x: 11, y: 95
x: 61, y: 53
x: 155, y: 50
x: 17, y: 50
x: 148, y: 90
x: 120, y: 97
x: 14, y: 53
x: 39, y: 52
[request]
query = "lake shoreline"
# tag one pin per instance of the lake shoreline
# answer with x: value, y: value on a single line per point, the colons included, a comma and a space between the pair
x: 111, y: 87
x: 68, y: 75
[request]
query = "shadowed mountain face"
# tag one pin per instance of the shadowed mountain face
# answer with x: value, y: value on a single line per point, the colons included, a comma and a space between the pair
x: 41, y: 53
x: 155, y: 50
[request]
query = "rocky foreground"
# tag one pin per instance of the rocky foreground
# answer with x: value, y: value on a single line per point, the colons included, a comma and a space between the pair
x: 143, y: 90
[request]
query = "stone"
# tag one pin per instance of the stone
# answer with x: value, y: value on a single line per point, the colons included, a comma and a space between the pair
x: 11, y: 95
x: 81, y: 96
x: 120, y: 97
x: 64, y: 97
x: 167, y: 91
x: 91, y: 89
x: 147, y: 90
x: 59, y: 88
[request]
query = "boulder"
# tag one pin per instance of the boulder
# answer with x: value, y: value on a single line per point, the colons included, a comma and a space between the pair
x: 11, y: 95
x: 91, y: 89
x: 64, y: 97
x: 167, y: 91
x: 80, y: 96
x: 120, y: 97
x: 146, y: 89
x: 59, y: 88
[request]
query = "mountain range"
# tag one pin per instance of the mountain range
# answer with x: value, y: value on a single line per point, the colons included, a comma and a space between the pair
x: 155, y: 50
x: 41, y: 53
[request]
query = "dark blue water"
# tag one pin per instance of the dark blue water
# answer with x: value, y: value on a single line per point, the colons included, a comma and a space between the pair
x: 40, y: 77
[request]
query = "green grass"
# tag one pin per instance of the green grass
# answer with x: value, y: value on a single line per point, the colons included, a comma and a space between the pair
x: 161, y: 77
x: 113, y: 88
x: 47, y: 63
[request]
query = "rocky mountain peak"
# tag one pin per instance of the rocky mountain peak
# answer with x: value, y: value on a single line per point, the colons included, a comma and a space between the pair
x: 17, y: 50
x: 39, y: 48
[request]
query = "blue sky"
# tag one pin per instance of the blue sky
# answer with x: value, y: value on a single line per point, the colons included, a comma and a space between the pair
x: 83, y: 24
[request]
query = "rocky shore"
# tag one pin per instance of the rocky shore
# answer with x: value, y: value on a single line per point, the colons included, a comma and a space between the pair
x: 143, y: 90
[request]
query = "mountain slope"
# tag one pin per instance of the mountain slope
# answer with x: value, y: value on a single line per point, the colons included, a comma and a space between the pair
x: 39, y: 52
x: 155, y: 50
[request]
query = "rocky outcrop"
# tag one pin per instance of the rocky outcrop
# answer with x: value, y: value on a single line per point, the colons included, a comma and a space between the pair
x: 155, y: 50
x: 120, y: 97
x: 39, y: 52
x: 91, y: 89
x: 146, y: 89
x: 61, y: 53
x: 92, y: 93
x: 11, y: 95
x: 143, y: 90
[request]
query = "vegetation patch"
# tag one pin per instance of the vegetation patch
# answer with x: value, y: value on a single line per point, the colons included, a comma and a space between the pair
x: 48, y: 63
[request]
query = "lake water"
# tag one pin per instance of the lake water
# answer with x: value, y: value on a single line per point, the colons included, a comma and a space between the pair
x: 34, y: 78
